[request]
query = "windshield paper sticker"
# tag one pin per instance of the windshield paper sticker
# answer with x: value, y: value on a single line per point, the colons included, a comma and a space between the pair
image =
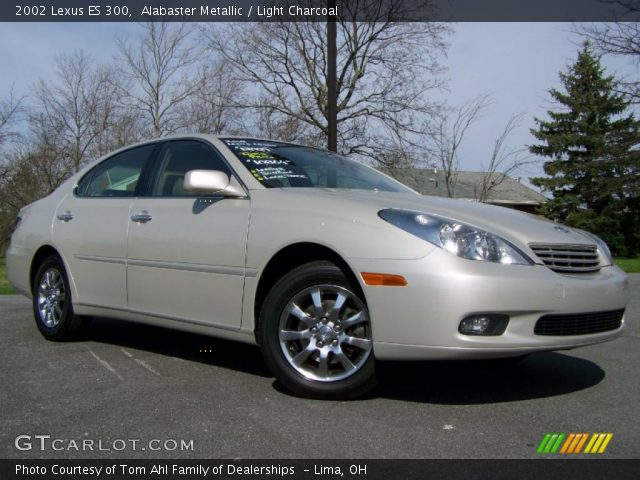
x: 263, y: 161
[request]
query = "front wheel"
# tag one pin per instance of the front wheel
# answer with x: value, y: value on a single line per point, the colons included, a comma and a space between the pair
x: 52, y: 302
x: 315, y: 334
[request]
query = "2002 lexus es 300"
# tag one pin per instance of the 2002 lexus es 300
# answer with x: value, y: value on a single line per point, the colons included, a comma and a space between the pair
x: 325, y: 263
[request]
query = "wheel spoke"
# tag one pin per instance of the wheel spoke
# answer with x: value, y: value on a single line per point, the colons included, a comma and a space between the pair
x: 361, y: 343
x: 293, y: 335
x: 345, y: 362
x: 47, y: 279
x: 323, y: 365
x: 57, y: 310
x: 317, y: 302
x: 337, y: 306
x: 353, y: 320
x: 301, y: 357
x: 297, y: 312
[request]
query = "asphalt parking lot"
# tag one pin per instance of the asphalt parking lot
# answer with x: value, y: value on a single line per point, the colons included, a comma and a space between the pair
x: 133, y: 382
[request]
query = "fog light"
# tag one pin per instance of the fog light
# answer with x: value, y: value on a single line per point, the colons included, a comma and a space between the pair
x: 484, y: 324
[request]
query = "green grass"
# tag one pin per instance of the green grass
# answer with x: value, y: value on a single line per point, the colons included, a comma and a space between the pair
x: 629, y: 265
x: 5, y: 288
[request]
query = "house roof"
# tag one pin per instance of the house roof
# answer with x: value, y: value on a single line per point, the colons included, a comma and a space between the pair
x: 468, y: 185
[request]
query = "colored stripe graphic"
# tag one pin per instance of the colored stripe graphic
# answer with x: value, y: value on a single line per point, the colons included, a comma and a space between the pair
x: 607, y: 439
x: 572, y: 443
x: 565, y: 447
x: 555, y: 447
x: 543, y: 443
x: 581, y: 442
x: 551, y: 442
x: 598, y: 443
x: 593, y: 439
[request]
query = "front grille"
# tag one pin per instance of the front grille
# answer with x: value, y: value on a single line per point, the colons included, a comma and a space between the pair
x: 568, y: 258
x: 579, y: 323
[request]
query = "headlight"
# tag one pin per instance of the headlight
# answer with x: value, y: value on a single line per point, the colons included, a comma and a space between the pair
x: 458, y: 238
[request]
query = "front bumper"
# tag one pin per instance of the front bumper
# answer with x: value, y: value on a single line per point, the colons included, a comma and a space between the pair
x: 420, y: 320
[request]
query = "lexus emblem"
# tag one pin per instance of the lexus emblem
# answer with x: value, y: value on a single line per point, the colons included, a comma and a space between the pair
x: 562, y: 229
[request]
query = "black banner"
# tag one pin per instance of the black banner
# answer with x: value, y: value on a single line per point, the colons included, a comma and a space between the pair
x: 317, y: 10
x: 583, y: 469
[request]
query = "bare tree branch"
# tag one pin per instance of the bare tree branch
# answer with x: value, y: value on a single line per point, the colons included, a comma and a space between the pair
x: 73, y: 111
x: 158, y: 66
x: 622, y: 39
x: 385, y: 72
x: 450, y: 133
x: 504, y: 162
x: 11, y: 111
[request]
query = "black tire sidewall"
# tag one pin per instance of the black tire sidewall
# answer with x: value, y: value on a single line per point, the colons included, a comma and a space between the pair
x: 308, y: 275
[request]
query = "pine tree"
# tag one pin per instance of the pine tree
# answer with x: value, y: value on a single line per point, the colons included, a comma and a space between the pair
x: 592, y: 140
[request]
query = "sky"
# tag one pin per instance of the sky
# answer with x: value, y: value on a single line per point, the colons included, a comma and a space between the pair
x: 516, y: 63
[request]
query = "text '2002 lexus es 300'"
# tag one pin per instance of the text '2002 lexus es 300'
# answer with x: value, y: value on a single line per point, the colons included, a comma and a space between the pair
x: 323, y: 262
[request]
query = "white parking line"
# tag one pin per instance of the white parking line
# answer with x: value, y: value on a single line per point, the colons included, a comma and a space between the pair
x: 141, y: 362
x: 128, y: 354
x: 105, y: 364
x: 147, y: 366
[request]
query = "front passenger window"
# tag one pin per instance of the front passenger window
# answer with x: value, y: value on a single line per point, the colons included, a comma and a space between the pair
x: 179, y: 157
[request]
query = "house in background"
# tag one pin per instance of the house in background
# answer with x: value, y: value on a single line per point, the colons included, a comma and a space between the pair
x: 493, y: 188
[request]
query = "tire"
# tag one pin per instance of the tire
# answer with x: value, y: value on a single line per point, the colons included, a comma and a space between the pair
x: 52, y: 306
x: 314, y: 348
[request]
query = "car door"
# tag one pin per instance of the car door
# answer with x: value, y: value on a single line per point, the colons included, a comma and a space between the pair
x: 90, y: 227
x: 186, y: 253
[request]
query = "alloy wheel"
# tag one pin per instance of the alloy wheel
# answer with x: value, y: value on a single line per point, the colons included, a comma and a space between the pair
x: 51, y: 297
x: 325, y: 333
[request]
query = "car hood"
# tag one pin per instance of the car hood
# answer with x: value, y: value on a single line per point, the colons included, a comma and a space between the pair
x: 515, y: 226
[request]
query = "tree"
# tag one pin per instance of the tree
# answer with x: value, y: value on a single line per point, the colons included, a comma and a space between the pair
x: 11, y: 110
x: 385, y: 71
x: 592, y: 142
x: 503, y: 163
x: 161, y: 71
x: 621, y: 38
x: 27, y: 175
x: 215, y: 107
x: 450, y: 132
x: 73, y: 111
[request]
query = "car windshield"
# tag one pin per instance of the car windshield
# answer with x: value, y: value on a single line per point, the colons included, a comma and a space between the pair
x: 276, y: 165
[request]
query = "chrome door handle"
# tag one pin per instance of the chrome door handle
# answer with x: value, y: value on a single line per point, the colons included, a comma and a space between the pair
x: 142, y: 217
x: 65, y: 216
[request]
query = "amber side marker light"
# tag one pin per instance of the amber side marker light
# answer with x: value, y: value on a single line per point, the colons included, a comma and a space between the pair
x: 383, y: 279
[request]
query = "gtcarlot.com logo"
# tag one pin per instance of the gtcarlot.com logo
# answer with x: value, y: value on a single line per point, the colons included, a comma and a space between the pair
x: 573, y: 443
x: 49, y: 443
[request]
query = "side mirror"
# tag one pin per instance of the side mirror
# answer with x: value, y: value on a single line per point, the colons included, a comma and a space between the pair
x: 212, y: 182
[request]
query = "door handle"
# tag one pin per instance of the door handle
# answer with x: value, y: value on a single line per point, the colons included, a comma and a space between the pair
x: 65, y: 216
x: 142, y: 217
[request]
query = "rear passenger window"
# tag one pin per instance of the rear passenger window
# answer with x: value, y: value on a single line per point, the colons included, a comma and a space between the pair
x: 116, y: 176
x: 176, y: 159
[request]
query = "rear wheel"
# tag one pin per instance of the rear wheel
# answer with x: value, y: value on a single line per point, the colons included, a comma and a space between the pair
x: 52, y: 306
x: 315, y: 333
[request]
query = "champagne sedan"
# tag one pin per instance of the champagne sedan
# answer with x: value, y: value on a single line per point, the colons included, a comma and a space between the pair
x: 325, y: 263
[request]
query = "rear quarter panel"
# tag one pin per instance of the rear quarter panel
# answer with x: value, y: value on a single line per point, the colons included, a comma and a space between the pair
x: 33, y: 232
